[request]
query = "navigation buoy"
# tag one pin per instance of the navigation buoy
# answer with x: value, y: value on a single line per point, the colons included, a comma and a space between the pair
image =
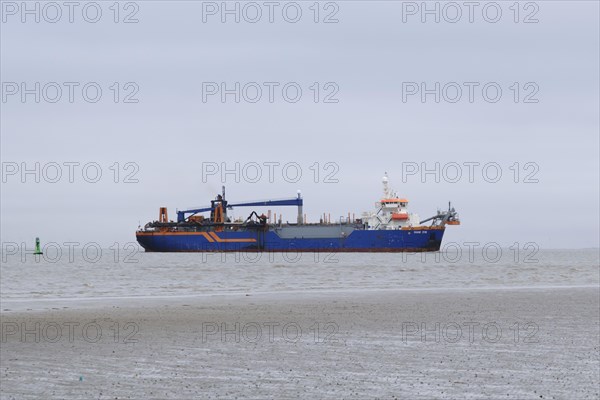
x: 37, y: 246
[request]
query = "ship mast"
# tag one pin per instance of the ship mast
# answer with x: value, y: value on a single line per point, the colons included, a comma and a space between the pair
x: 386, y: 189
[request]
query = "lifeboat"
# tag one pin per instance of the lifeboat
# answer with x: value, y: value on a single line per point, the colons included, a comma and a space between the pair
x: 399, y: 216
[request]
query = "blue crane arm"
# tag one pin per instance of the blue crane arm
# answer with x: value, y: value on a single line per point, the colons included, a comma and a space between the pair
x: 181, y: 214
x: 296, y: 201
x: 285, y: 202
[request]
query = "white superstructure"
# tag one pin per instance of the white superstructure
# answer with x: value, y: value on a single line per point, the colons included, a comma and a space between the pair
x: 391, y: 212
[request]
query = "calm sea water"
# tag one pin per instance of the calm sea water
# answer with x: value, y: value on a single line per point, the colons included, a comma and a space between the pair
x: 131, y: 273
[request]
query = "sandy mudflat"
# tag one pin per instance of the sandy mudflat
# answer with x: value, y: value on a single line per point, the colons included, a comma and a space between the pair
x: 351, y: 345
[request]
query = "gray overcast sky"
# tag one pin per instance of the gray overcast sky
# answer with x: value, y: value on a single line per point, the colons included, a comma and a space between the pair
x: 370, y: 57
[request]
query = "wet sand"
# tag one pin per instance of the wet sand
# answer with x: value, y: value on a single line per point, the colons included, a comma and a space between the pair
x: 510, y: 344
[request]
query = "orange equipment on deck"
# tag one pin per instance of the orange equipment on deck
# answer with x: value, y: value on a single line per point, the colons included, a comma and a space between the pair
x: 196, y: 218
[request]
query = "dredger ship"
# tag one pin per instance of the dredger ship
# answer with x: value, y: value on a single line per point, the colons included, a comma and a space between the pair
x: 390, y: 227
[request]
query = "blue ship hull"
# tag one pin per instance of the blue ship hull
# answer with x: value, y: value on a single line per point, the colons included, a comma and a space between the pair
x: 403, y: 240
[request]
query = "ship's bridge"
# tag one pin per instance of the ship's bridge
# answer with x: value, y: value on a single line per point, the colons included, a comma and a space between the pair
x: 390, y: 211
x: 394, y: 202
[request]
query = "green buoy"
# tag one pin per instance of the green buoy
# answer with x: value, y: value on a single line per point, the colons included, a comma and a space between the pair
x: 37, y: 246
